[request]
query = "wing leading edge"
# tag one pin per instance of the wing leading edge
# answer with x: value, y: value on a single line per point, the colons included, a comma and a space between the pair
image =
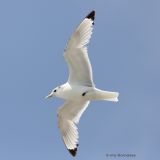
x: 76, y: 56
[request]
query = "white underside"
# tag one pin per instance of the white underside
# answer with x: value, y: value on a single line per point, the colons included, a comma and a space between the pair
x: 80, y: 81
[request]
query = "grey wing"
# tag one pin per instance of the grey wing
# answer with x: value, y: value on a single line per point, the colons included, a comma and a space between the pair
x: 68, y: 116
x: 76, y: 56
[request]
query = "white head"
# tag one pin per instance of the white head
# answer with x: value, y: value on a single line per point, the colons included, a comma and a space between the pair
x: 55, y: 92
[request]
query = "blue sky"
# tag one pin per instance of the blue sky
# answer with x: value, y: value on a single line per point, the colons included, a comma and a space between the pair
x: 124, y: 52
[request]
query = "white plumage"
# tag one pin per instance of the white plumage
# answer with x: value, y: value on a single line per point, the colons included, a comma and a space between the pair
x: 76, y: 56
x: 79, y: 90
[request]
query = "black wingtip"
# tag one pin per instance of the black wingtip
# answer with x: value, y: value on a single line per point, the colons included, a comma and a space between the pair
x: 73, y: 151
x: 91, y: 15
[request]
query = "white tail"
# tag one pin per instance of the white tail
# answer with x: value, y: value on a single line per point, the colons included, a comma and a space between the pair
x: 98, y: 94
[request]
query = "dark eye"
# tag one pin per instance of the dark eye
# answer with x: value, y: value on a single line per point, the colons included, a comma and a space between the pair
x: 55, y: 90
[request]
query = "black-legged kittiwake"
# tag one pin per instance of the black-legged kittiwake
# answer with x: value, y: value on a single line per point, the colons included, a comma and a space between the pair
x: 79, y: 90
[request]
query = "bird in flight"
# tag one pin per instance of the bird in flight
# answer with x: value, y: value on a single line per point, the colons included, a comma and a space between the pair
x: 80, y: 89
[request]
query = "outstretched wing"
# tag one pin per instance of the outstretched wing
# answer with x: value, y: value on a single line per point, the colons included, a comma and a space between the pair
x: 76, y: 56
x: 68, y: 116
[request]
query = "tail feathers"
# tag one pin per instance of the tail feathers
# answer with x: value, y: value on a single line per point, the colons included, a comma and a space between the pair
x: 115, y: 97
x: 105, y: 95
x: 111, y: 96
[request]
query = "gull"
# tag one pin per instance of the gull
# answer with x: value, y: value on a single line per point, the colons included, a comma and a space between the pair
x: 80, y: 89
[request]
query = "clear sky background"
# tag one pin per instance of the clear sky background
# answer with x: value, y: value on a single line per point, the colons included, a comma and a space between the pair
x: 125, y: 56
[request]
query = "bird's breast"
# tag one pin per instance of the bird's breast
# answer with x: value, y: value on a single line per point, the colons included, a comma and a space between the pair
x: 74, y: 93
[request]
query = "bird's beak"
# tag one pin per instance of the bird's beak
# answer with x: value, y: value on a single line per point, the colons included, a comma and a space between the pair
x: 49, y: 96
